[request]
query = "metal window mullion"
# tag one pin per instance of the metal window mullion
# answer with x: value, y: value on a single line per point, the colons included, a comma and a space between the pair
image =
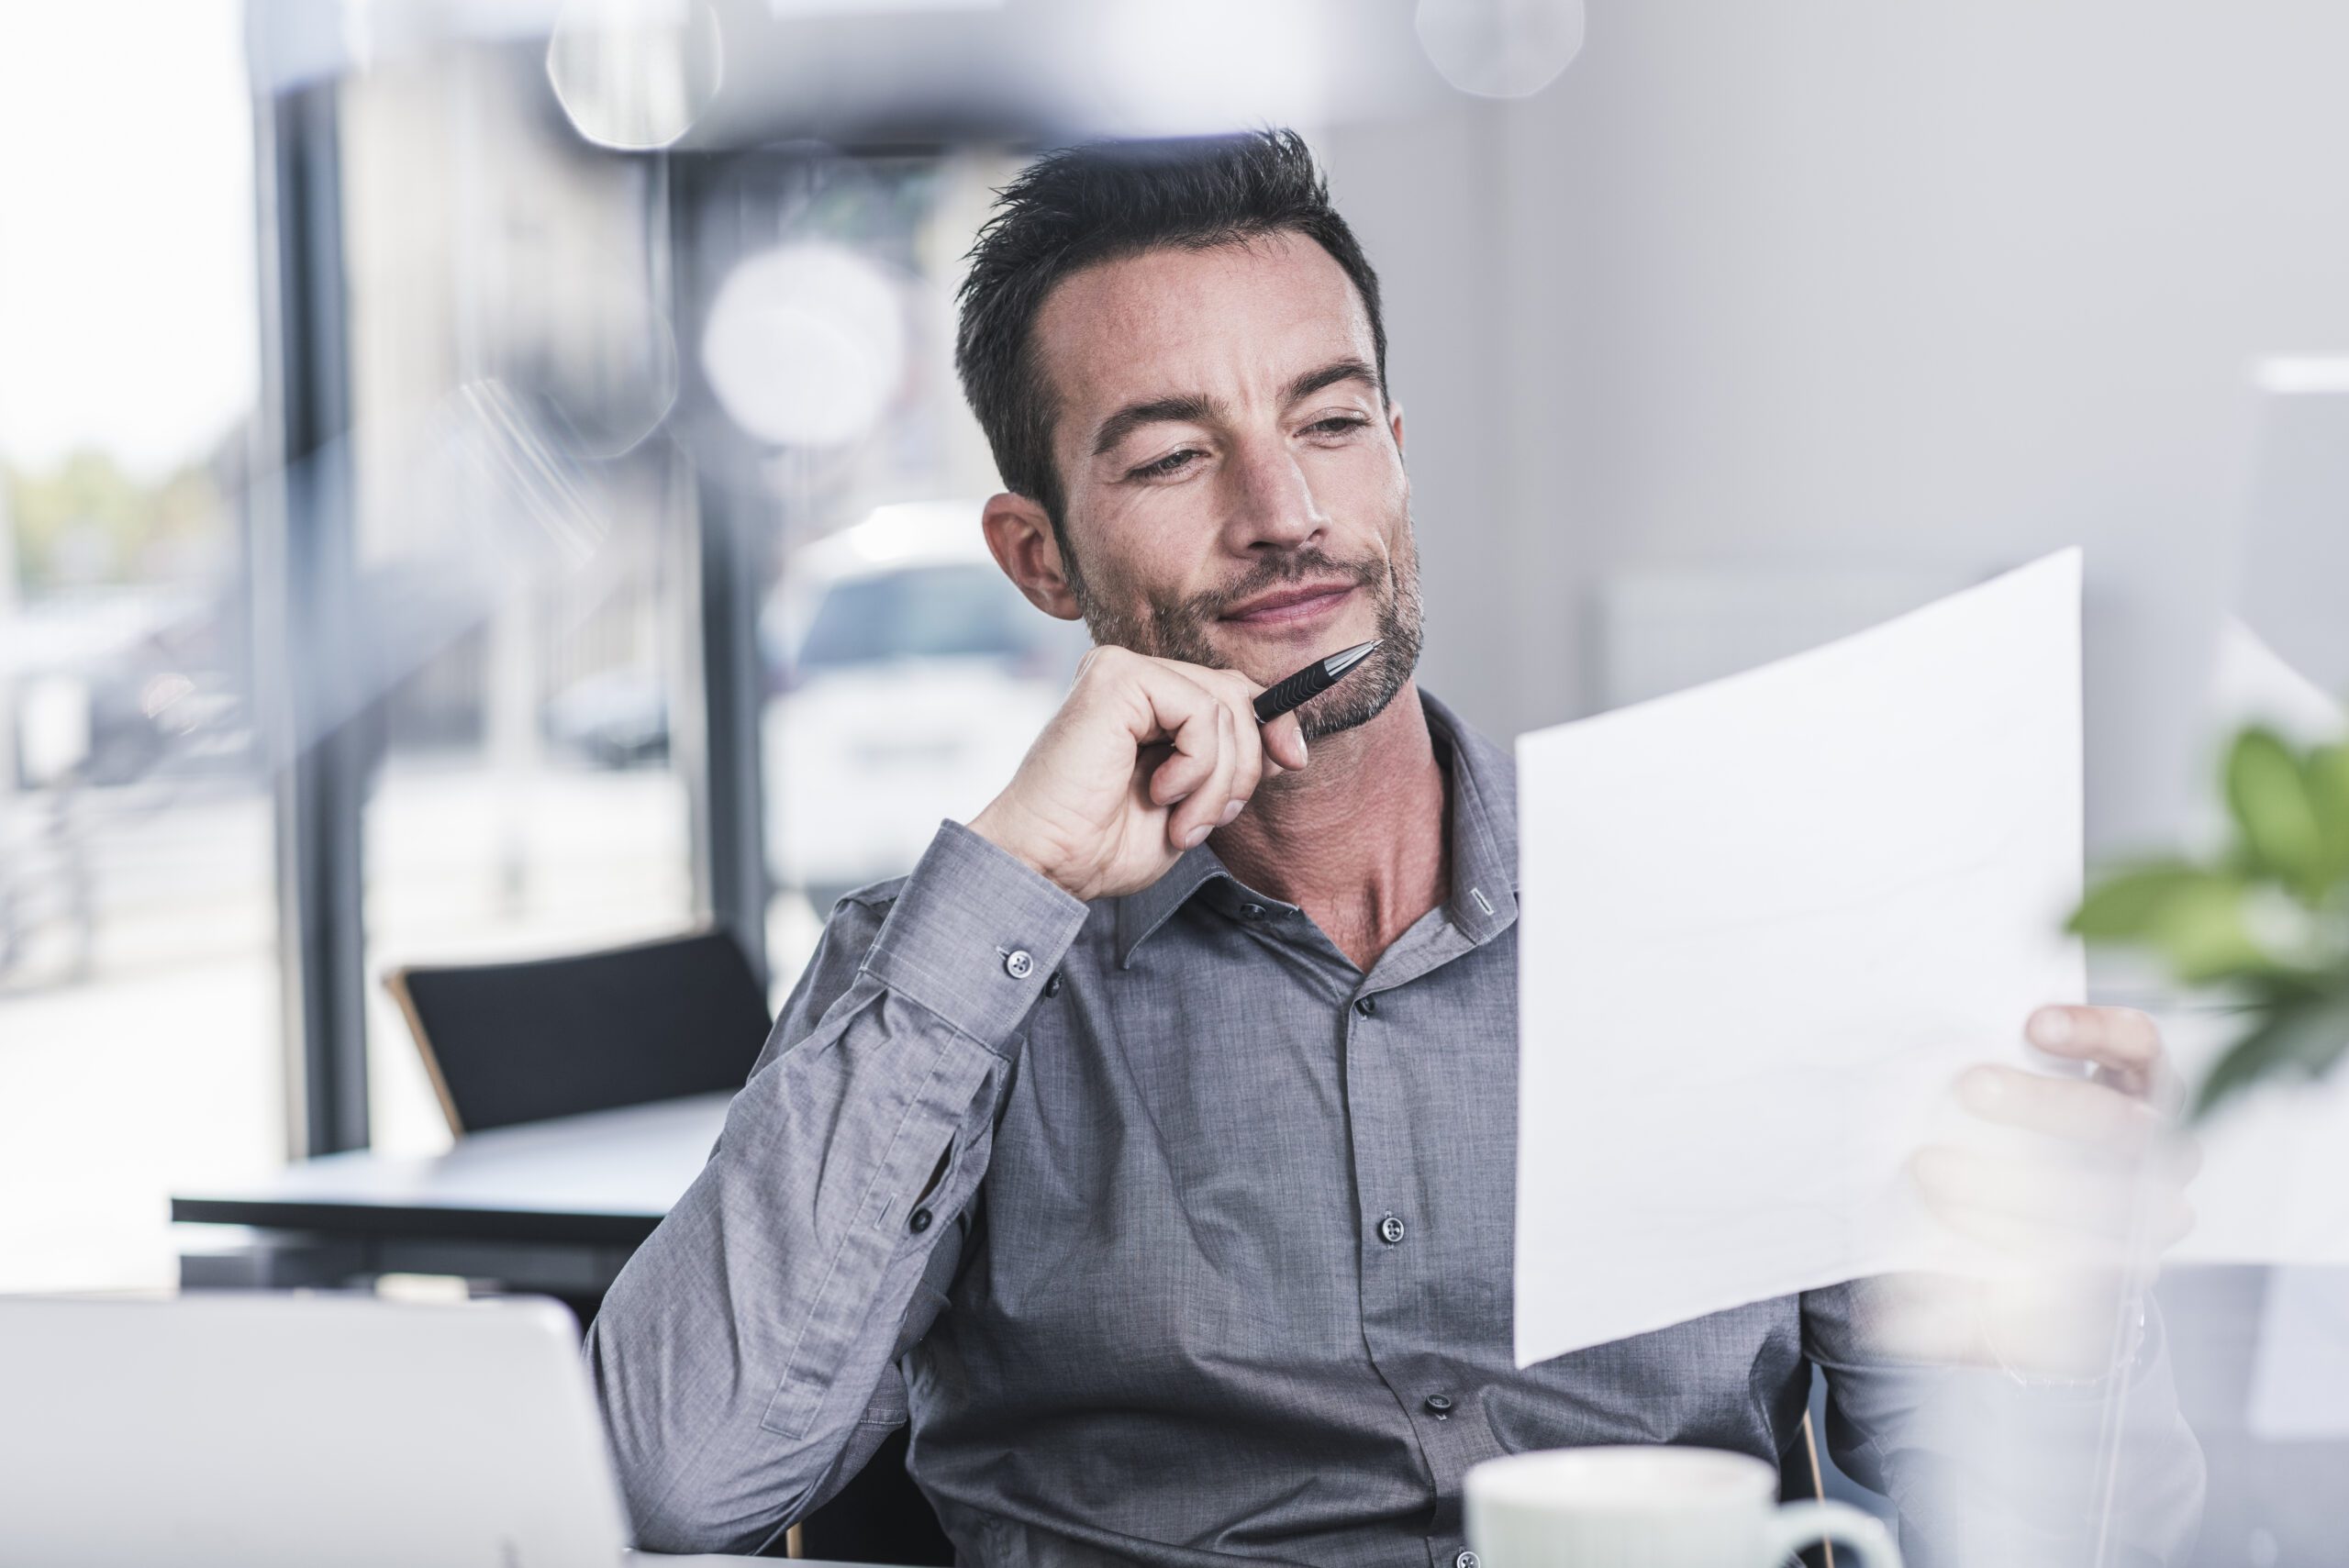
x: 717, y: 748
x: 307, y: 690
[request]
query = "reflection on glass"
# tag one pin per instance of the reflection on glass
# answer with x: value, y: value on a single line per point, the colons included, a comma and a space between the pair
x: 635, y: 74
x: 519, y: 540
x: 1500, y: 48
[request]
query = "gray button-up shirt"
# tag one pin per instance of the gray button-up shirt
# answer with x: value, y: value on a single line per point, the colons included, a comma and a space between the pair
x: 1181, y: 1240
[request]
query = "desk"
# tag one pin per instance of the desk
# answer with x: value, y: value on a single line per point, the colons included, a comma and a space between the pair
x: 553, y: 1207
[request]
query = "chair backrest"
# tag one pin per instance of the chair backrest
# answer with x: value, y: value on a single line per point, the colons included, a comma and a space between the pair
x: 515, y: 1042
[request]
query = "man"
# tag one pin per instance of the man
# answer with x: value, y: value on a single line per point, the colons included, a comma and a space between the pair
x: 1152, y: 1142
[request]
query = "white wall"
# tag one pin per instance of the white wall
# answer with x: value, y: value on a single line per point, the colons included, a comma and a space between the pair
x: 1849, y: 283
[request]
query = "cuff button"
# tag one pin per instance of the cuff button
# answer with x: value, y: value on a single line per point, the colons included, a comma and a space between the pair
x: 1019, y: 963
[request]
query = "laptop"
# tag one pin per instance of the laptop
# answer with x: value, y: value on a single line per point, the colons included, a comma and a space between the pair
x: 271, y: 1431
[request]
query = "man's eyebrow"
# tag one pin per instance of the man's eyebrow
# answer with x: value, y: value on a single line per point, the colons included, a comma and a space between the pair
x: 1187, y: 408
x: 1194, y: 408
x: 1336, y: 371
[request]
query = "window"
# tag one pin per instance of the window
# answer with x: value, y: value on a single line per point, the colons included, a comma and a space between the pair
x: 141, y: 1046
x: 904, y: 676
x: 519, y: 514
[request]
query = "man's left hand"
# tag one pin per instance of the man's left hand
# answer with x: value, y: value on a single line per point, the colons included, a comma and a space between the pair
x: 2085, y: 1199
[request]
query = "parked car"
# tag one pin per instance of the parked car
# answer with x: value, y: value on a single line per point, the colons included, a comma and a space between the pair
x: 910, y: 678
x: 110, y: 684
x: 617, y: 719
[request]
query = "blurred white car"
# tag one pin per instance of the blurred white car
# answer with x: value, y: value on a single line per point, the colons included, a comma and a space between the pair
x: 912, y: 678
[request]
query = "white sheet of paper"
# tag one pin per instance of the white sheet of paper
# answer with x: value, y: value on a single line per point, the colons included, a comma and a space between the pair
x: 1765, y: 922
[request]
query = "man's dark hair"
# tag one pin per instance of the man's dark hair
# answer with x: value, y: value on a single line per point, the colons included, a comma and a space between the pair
x: 1084, y: 205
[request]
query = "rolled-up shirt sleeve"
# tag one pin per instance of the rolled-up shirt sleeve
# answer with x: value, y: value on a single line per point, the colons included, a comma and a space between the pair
x: 746, y: 1355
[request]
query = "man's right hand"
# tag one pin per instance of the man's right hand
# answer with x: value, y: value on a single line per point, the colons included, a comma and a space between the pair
x: 1145, y: 758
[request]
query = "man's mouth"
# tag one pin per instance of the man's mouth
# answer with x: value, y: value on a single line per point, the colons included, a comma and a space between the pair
x: 1299, y: 602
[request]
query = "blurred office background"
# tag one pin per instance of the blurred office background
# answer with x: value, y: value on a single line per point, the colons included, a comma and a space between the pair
x: 485, y: 480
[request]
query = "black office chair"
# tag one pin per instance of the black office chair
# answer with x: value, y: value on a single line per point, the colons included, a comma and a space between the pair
x: 879, y: 1517
x: 515, y: 1042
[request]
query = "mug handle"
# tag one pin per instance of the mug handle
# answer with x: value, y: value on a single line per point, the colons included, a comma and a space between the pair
x: 1797, y: 1525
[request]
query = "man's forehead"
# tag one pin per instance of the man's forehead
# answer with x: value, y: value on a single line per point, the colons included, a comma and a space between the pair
x: 1177, y: 320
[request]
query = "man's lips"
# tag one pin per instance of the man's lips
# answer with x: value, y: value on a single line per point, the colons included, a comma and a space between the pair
x: 1290, y: 604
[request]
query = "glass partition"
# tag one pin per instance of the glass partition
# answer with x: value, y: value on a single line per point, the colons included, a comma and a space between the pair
x: 520, y: 532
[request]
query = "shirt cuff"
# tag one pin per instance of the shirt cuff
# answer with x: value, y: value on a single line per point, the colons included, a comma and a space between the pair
x: 973, y: 934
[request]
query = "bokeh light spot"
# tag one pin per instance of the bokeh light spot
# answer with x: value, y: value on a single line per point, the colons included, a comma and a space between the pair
x: 806, y: 344
x: 635, y: 74
x: 1500, y: 48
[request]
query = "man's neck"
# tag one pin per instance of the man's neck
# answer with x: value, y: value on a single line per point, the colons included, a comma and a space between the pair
x: 1359, y: 839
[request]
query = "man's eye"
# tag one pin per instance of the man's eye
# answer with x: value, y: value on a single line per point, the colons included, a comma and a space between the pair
x: 1172, y: 463
x: 1337, y: 425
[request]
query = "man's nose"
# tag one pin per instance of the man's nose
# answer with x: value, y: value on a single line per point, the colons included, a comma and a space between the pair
x: 1271, y: 501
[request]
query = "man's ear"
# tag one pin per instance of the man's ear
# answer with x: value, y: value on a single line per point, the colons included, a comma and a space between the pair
x: 1020, y: 536
x: 1395, y: 424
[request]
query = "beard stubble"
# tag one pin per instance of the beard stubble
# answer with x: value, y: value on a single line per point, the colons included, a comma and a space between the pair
x: 1170, y: 628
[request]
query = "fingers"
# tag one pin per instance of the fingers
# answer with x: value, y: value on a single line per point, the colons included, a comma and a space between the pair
x: 1248, y: 742
x: 2042, y: 1213
x: 1280, y: 744
x: 1194, y: 817
x: 2074, y: 1109
x: 1157, y: 703
x: 1197, y: 747
x: 1210, y: 792
x: 1216, y: 754
x: 2093, y: 1117
x: 1283, y: 740
x: 2121, y: 1039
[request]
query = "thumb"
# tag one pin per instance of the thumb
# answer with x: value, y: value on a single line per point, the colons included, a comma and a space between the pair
x: 1285, y: 740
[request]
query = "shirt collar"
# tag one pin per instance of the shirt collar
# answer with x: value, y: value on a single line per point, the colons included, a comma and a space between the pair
x: 1139, y: 914
x: 1481, y: 780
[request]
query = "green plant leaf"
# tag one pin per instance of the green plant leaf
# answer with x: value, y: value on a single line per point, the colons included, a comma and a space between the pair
x: 2126, y: 905
x: 2202, y: 932
x: 2269, y: 797
x: 2306, y: 1038
x: 2326, y: 774
x: 2194, y: 916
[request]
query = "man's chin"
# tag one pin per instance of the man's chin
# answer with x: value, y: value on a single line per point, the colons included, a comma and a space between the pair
x: 1346, y: 710
x: 1359, y: 697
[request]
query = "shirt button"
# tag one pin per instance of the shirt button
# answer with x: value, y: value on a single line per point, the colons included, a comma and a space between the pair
x: 1390, y: 1230
x: 1052, y: 986
x: 1019, y: 965
x: 1366, y: 1005
x: 1251, y: 911
x: 918, y: 1221
x: 1466, y: 1559
x: 1439, y: 1406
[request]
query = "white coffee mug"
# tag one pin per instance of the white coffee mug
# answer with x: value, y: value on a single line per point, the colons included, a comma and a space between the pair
x: 1653, y: 1508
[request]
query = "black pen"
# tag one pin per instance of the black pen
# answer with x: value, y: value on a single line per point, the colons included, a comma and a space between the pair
x: 1311, y: 681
